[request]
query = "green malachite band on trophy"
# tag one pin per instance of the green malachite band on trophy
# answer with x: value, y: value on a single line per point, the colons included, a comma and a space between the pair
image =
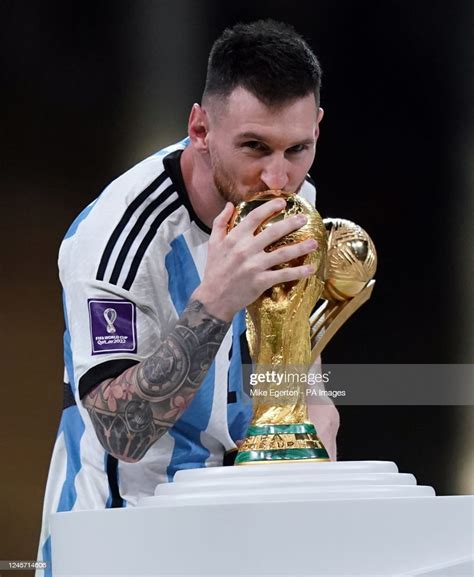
x: 281, y: 455
x: 281, y: 429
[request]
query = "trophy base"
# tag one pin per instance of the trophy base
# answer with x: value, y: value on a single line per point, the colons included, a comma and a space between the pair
x: 281, y: 444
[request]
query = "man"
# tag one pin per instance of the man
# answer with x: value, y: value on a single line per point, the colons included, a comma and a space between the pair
x: 154, y: 299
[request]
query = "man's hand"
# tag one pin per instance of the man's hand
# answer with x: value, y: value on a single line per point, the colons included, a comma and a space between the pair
x: 239, y: 270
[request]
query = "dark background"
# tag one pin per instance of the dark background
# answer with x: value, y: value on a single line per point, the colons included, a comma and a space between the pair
x: 89, y: 89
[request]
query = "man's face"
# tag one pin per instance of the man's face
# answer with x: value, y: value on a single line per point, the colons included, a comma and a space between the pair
x: 253, y: 148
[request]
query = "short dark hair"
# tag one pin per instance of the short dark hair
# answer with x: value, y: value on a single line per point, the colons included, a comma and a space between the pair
x: 267, y: 58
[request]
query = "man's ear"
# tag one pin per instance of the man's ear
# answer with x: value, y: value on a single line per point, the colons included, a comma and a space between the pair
x: 198, y: 126
x: 319, y: 117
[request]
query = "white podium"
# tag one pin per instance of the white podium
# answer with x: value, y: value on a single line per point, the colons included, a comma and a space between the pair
x: 359, y: 518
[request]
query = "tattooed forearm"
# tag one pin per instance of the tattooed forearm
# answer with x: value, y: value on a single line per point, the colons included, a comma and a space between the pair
x: 132, y: 411
x: 184, y: 357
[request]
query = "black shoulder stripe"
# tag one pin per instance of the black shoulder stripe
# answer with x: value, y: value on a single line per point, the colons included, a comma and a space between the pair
x: 164, y: 214
x: 123, y: 222
x: 137, y: 227
x: 106, y: 370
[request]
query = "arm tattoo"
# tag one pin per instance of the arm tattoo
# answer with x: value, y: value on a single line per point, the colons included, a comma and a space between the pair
x: 132, y: 411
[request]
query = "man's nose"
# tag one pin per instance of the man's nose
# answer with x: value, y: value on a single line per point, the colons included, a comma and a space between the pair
x: 275, y: 174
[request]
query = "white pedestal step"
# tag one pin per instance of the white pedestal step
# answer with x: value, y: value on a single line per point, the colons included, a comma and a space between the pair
x: 299, y: 519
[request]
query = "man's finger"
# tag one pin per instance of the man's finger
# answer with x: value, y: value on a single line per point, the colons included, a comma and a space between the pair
x: 260, y: 214
x: 288, y: 274
x: 290, y: 252
x: 221, y: 222
x: 278, y: 230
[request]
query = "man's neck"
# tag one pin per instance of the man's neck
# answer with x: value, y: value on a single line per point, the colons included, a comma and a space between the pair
x: 203, y: 195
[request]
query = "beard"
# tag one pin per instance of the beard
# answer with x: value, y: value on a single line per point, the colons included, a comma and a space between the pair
x: 224, y: 183
x: 225, y: 186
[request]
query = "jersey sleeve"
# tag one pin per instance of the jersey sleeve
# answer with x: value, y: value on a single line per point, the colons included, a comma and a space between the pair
x: 108, y: 331
x: 110, y: 326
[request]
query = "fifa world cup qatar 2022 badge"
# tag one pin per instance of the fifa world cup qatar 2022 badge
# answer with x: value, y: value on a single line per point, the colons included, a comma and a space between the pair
x: 112, y: 326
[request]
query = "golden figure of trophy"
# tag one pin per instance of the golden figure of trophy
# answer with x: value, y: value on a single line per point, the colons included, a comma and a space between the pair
x: 282, y: 338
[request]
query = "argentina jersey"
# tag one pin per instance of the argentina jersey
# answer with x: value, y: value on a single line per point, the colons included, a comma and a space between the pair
x: 128, y: 266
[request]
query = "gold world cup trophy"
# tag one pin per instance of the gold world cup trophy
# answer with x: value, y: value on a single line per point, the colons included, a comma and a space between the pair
x: 284, y: 340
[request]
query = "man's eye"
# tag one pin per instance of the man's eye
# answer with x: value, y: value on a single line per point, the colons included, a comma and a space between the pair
x: 297, y: 148
x: 255, y: 145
